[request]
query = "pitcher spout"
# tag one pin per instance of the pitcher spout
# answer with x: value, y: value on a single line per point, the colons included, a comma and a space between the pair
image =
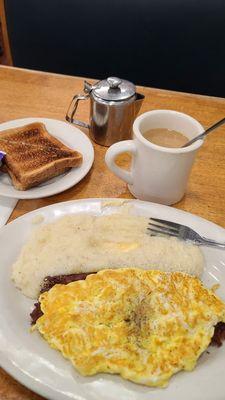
x: 138, y: 102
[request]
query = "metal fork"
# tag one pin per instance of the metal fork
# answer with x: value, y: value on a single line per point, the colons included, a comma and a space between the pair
x: 183, y: 232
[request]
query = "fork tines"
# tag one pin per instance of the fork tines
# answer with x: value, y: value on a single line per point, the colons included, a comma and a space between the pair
x: 163, y: 227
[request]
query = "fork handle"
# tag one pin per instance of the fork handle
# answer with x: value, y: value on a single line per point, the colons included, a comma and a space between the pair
x: 211, y: 243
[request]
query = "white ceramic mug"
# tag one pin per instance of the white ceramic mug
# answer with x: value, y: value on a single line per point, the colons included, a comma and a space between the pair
x: 158, y: 174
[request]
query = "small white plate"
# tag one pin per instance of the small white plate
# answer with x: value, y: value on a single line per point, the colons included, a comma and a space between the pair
x: 30, y: 360
x: 71, y: 137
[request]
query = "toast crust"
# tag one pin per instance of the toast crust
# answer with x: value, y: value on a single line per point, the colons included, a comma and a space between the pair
x: 34, y: 156
x: 21, y: 186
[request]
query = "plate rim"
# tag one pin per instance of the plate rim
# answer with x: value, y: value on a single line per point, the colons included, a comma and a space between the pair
x: 26, y: 195
x: 7, y: 364
x: 116, y: 200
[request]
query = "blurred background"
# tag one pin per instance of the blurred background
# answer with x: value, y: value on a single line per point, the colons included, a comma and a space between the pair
x: 169, y: 44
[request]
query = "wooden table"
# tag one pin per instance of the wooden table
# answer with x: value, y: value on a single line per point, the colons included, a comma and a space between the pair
x: 26, y: 93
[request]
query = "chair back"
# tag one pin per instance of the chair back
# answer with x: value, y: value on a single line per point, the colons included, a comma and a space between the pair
x: 170, y: 44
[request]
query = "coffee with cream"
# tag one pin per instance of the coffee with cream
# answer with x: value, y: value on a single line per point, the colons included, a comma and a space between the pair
x: 165, y: 137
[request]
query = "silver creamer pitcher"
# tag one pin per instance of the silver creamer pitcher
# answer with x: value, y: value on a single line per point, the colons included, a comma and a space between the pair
x: 114, y: 105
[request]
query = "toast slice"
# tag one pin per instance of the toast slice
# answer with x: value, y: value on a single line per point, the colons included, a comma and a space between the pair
x: 20, y: 186
x: 34, y: 156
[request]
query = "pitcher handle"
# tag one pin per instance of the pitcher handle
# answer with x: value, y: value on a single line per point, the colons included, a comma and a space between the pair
x: 72, y: 109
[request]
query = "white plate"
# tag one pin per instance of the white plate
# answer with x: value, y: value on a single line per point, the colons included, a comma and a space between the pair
x: 31, y: 361
x: 71, y: 137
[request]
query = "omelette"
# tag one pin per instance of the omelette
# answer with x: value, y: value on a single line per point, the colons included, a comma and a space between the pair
x: 144, y: 325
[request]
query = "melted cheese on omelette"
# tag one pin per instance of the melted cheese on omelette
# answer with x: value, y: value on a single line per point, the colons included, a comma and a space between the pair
x: 143, y: 325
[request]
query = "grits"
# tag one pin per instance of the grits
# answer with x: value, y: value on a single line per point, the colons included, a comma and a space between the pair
x: 87, y: 243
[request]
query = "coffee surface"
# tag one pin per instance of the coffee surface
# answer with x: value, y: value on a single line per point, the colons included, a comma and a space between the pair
x: 165, y: 137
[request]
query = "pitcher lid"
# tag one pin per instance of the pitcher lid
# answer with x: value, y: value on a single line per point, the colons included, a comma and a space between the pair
x: 114, y: 89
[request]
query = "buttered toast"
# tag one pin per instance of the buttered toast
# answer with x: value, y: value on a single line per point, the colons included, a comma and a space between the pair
x: 34, y: 156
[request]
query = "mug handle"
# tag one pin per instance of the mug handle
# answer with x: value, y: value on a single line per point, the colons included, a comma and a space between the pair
x: 115, y: 150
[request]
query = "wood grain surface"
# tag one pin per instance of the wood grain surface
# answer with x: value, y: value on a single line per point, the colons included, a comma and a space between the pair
x: 37, y: 94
